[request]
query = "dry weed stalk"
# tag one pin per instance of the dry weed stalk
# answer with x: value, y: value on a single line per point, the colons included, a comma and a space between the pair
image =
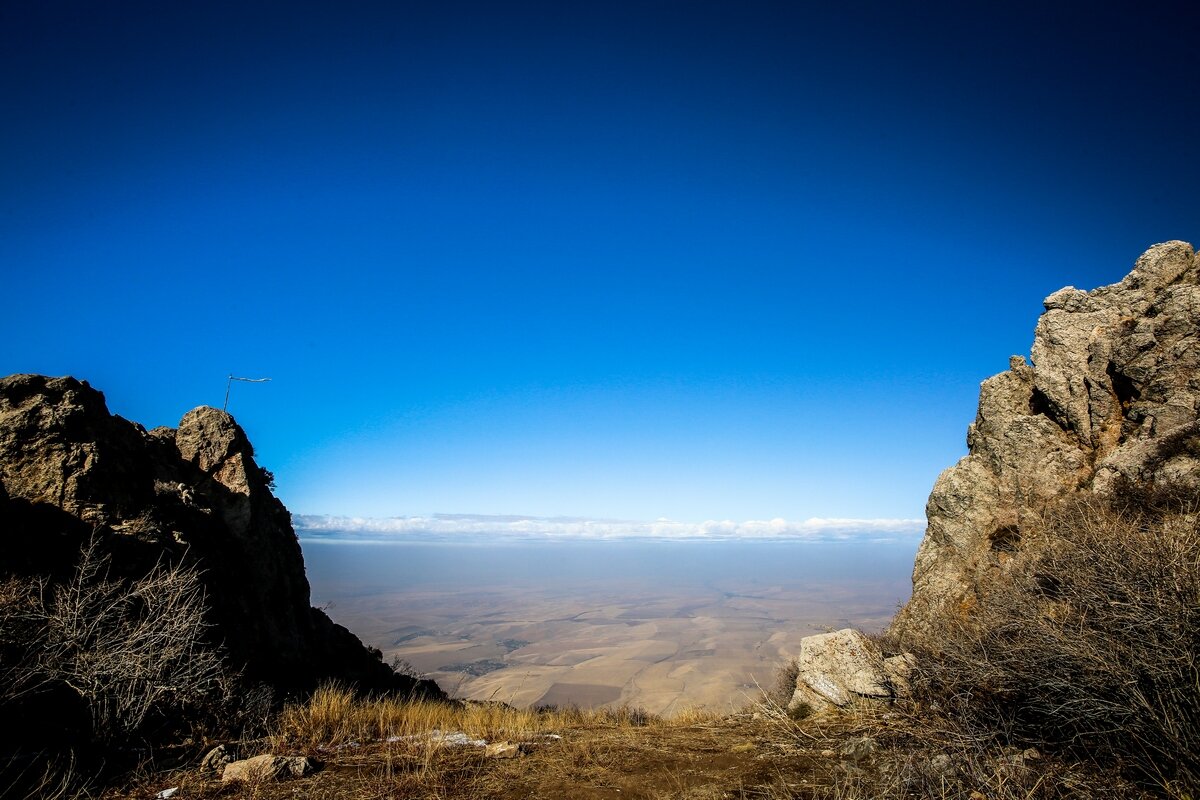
x: 127, y: 658
x: 129, y: 648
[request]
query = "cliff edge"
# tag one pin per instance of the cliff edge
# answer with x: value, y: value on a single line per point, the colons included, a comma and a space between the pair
x: 71, y: 472
x: 1111, y: 400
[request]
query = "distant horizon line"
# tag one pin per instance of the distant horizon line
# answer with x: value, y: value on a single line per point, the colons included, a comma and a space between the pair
x: 477, y: 528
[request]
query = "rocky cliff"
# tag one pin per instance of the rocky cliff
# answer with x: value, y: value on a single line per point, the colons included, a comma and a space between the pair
x: 70, y: 471
x: 1111, y: 399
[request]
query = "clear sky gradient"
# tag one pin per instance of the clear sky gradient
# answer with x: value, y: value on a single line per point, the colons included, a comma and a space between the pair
x: 624, y: 260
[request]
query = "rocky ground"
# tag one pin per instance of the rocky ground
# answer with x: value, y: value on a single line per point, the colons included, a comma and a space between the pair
x: 755, y: 754
x: 734, y: 757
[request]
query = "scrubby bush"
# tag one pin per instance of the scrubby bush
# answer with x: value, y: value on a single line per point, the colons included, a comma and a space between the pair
x: 785, y: 683
x: 131, y: 649
x: 134, y: 652
x: 1089, y: 644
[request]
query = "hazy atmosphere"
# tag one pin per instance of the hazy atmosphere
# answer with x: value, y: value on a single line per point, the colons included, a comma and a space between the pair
x: 663, y: 626
x: 700, y: 262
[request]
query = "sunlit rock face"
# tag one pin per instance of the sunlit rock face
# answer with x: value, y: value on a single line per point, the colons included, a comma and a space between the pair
x: 836, y: 669
x: 1111, y: 396
x: 71, y: 471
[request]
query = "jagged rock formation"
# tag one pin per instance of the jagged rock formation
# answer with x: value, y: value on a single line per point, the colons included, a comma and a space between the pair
x: 1112, y: 397
x: 70, y: 470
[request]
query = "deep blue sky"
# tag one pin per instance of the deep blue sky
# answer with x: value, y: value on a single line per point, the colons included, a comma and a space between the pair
x: 692, y: 260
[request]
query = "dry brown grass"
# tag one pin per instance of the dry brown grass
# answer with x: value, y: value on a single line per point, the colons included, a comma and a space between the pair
x: 334, y: 716
x: 387, y: 748
x: 898, y: 751
x: 763, y: 754
x: 1090, y: 647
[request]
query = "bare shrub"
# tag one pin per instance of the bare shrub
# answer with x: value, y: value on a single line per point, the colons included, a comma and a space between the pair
x: 402, y: 667
x: 1090, y: 644
x: 22, y: 626
x: 785, y: 683
x: 47, y: 777
x: 1154, y: 499
x: 132, y: 650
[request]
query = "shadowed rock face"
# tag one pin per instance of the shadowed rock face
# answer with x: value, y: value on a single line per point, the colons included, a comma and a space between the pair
x: 1112, y: 394
x: 70, y: 470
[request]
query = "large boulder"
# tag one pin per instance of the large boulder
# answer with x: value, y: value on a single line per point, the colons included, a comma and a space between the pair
x: 835, y: 669
x: 70, y: 471
x: 1111, y: 399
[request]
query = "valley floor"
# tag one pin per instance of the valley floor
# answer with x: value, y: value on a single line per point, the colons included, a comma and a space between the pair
x: 665, y: 628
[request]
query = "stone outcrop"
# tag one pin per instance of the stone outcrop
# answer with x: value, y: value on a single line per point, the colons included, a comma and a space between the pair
x: 70, y: 471
x: 1111, y: 397
x: 835, y: 669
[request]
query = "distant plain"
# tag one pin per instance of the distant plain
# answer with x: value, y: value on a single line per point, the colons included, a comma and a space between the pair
x: 663, y: 626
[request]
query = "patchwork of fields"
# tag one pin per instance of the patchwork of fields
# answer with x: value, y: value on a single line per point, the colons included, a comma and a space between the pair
x: 663, y: 645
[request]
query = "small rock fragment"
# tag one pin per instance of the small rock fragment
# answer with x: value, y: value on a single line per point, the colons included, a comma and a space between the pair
x: 267, y: 768
x: 504, y: 750
x: 942, y: 764
x: 216, y: 759
x: 859, y: 749
x: 899, y: 672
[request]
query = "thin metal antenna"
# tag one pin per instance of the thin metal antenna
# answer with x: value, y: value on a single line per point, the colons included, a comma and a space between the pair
x: 229, y: 384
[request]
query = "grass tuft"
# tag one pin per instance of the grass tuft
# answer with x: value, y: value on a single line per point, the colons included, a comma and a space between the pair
x: 333, y: 716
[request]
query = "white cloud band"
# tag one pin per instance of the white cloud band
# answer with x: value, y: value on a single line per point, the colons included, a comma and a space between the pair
x: 475, y: 528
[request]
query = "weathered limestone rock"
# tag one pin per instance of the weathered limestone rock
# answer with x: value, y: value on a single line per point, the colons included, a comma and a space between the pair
x: 835, y: 668
x: 1113, y: 392
x: 267, y: 768
x: 60, y: 446
x: 209, y: 439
